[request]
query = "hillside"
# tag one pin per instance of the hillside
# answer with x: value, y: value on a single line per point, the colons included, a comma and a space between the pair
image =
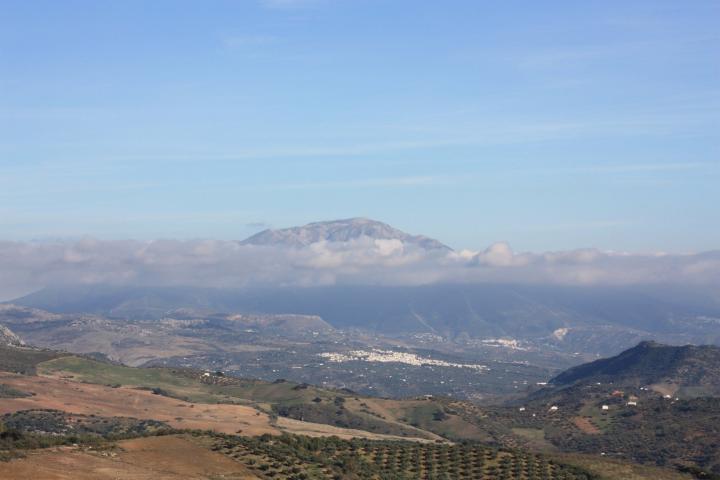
x: 7, y: 337
x: 83, y: 385
x: 94, y: 415
x: 686, y: 367
x: 652, y: 404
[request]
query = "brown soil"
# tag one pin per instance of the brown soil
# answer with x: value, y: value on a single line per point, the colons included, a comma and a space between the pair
x: 321, y: 430
x: 586, y: 425
x: 154, y: 458
x: 74, y: 397
x: 91, y: 399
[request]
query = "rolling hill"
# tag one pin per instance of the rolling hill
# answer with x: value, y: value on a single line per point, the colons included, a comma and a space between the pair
x: 686, y: 367
x: 112, y: 421
x: 652, y: 404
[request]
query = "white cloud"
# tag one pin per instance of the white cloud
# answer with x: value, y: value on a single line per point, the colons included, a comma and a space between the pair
x: 25, y: 267
x: 499, y: 255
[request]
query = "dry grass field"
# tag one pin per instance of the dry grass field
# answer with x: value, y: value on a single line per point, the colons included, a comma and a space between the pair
x: 612, y: 469
x: 89, y: 399
x: 93, y: 399
x: 153, y: 458
x: 290, y: 425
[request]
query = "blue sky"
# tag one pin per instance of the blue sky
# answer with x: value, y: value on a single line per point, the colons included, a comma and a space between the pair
x: 550, y: 125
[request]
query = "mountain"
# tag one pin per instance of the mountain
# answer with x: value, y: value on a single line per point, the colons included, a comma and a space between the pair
x: 340, y: 231
x: 650, y: 363
x: 594, y: 320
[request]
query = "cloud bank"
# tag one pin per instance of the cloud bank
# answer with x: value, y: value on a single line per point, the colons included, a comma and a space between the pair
x: 25, y: 267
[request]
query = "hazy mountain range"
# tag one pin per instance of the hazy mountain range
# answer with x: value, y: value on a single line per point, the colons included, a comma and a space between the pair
x: 587, y: 319
x: 339, y: 271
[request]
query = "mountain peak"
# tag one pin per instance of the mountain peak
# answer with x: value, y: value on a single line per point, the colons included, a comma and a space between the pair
x: 340, y: 231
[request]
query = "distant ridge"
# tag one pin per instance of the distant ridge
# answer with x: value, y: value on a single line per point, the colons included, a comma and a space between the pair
x: 340, y: 231
x: 651, y: 363
x: 594, y: 319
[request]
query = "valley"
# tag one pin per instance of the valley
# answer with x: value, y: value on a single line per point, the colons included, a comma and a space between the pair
x: 293, y: 347
x: 96, y: 405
